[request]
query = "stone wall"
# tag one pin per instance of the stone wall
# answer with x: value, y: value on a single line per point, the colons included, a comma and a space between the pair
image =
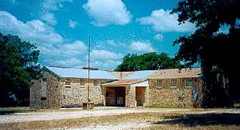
x: 166, y: 95
x: 35, y: 96
x: 74, y: 91
x: 131, y: 96
x: 53, y: 92
x: 45, y: 92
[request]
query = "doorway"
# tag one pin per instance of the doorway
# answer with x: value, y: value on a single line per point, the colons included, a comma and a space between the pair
x: 140, y: 96
x: 115, y: 96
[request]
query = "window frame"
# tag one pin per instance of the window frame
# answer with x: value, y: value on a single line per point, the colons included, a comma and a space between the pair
x: 187, y: 85
x: 173, y: 86
x: 82, y: 82
x: 68, y: 86
x: 95, y: 83
x: 159, y: 83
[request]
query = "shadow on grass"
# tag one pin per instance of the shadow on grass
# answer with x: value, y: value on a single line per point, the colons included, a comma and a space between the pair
x: 7, y: 112
x: 203, y: 119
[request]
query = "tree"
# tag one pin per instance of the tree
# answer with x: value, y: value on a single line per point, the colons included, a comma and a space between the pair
x: 148, y: 61
x: 215, y: 50
x: 18, y: 66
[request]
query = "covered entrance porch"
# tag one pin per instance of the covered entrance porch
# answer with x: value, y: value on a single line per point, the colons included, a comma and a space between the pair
x: 115, y: 96
x: 129, y: 93
x: 140, y: 96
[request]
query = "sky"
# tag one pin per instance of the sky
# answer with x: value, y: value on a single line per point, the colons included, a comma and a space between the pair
x: 62, y: 29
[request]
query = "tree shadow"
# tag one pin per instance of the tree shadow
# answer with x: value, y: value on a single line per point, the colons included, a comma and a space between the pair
x: 204, y: 119
x: 7, y: 112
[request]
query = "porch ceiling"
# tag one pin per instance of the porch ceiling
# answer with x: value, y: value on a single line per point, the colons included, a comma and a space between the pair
x: 121, y: 83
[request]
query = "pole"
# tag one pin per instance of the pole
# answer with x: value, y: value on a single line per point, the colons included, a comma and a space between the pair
x: 88, y: 69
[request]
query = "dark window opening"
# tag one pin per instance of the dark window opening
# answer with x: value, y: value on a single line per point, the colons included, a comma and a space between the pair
x: 67, y: 86
x: 44, y: 79
x: 43, y: 98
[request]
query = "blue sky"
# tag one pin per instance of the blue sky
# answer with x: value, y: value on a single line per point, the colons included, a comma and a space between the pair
x: 61, y: 28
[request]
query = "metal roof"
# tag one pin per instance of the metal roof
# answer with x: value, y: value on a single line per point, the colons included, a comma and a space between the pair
x: 142, y: 75
x: 140, y: 84
x: 134, y: 75
x: 81, y: 73
x: 176, y: 73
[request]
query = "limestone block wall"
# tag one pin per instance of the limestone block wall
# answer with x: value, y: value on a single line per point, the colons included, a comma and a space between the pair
x: 53, y: 92
x: 166, y: 95
x: 147, y: 97
x: 45, y: 92
x: 35, y: 96
x: 74, y: 92
x: 131, y: 97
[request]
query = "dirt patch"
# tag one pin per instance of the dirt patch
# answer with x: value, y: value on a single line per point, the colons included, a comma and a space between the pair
x: 120, y: 126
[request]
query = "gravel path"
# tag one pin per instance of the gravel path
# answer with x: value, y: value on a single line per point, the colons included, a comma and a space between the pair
x: 58, y: 115
x: 98, y: 111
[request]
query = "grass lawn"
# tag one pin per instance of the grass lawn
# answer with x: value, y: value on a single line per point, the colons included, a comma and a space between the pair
x: 168, y: 121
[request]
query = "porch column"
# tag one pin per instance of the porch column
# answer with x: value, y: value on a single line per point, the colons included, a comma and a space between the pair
x: 131, y: 96
x: 104, y: 95
x: 146, y: 95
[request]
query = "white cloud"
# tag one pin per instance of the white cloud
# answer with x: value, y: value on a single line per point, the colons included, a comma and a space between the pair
x: 54, y: 49
x: 72, y: 24
x: 49, y: 18
x: 105, y: 44
x: 75, y: 48
x: 72, y: 61
x: 53, y: 5
x: 105, y: 58
x: 158, y: 37
x: 141, y: 47
x: 163, y: 21
x: 65, y: 54
x: 34, y: 30
x: 48, y: 8
x: 107, y: 12
x: 104, y: 55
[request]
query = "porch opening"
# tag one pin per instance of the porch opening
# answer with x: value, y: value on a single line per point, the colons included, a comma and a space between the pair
x: 140, y: 95
x: 115, y: 96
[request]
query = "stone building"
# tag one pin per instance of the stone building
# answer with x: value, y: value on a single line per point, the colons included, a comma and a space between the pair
x: 154, y: 88
x: 67, y: 87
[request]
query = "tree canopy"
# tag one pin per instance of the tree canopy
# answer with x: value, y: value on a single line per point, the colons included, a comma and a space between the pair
x: 18, y: 66
x: 216, y: 50
x: 148, y: 61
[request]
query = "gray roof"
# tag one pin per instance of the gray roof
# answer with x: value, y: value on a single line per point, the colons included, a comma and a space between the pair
x: 176, y: 73
x: 144, y: 74
x: 81, y: 73
x: 134, y: 75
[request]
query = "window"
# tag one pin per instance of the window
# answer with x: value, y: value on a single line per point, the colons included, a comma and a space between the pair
x: 67, y: 83
x: 44, y: 79
x: 82, y: 82
x: 67, y: 86
x: 159, y: 84
x: 189, y: 83
x: 44, y: 89
x: 173, y: 83
x: 95, y: 82
x: 43, y: 98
